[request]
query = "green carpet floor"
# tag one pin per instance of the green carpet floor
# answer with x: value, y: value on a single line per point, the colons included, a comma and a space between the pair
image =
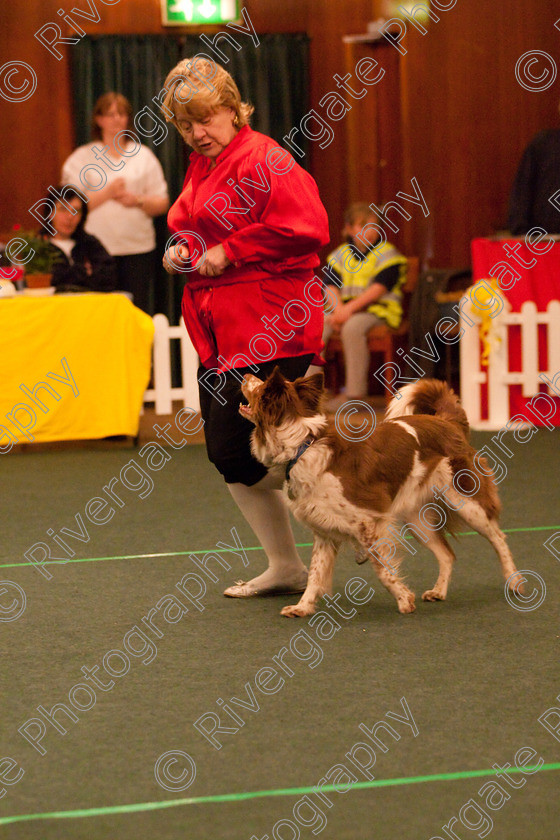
x: 476, y: 673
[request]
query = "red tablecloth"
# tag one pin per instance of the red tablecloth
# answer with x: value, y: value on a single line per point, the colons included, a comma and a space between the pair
x: 540, y: 283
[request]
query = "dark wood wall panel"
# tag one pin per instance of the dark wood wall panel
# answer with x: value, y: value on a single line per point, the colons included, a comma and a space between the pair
x: 37, y: 133
x: 464, y: 118
x: 469, y: 117
x: 328, y: 22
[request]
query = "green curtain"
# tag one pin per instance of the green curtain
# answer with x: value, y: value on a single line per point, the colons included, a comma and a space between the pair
x: 272, y: 76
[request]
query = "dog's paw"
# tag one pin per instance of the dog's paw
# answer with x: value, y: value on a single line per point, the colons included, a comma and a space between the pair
x: 515, y: 583
x: 297, y: 611
x: 433, y: 595
x: 406, y: 603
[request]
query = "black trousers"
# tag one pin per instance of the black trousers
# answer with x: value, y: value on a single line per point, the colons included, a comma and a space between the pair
x: 136, y: 273
x: 227, y: 432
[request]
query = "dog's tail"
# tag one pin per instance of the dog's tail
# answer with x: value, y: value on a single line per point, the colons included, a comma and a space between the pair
x: 429, y: 396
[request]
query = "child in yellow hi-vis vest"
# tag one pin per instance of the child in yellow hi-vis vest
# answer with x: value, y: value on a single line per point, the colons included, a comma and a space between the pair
x: 365, y: 290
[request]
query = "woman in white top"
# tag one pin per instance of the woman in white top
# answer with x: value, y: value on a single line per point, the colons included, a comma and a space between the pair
x: 125, y: 187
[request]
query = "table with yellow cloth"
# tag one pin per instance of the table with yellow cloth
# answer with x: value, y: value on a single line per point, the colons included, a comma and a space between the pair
x: 97, y: 348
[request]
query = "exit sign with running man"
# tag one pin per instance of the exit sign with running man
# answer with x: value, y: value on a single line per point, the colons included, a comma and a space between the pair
x: 197, y: 12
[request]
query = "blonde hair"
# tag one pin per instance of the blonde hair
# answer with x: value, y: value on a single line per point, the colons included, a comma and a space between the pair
x: 360, y: 211
x: 104, y: 104
x: 198, y: 86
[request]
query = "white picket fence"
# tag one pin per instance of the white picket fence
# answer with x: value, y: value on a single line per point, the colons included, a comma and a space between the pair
x: 497, y: 374
x: 163, y: 393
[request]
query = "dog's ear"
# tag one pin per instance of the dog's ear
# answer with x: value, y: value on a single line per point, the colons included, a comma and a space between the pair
x: 276, y: 381
x: 310, y: 390
x: 275, y: 397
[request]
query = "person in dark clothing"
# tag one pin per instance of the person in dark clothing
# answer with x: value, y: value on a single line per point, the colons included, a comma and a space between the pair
x: 537, y: 179
x: 82, y: 263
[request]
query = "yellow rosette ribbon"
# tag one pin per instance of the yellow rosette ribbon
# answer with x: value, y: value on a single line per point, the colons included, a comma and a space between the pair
x: 485, y: 295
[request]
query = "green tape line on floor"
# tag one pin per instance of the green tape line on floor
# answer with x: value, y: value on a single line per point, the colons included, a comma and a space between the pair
x: 258, y: 794
x: 249, y: 548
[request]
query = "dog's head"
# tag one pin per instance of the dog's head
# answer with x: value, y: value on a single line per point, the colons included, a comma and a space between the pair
x: 284, y: 413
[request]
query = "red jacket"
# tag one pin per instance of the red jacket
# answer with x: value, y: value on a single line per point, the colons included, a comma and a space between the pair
x: 271, y: 223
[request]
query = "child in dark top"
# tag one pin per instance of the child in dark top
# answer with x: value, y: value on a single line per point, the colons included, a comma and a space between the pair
x: 82, y: 262
x: 368, y: 274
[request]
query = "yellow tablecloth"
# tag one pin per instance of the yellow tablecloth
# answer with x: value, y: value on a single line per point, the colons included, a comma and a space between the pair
x: 93, y: 351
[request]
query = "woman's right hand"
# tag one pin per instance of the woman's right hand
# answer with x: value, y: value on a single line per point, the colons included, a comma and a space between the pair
x: 175, y: 259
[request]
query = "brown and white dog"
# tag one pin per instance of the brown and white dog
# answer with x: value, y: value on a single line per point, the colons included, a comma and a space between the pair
x: 360, y: 490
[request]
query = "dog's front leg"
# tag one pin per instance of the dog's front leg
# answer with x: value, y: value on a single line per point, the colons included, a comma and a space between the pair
x: 320, y: 577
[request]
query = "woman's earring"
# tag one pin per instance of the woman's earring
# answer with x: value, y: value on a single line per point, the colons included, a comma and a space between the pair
x: 236, y: 121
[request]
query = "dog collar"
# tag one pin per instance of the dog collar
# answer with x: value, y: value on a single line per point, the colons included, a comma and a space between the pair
x: 300, y: 450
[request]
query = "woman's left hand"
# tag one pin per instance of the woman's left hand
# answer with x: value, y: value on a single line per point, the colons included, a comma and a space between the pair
x: 214, y: 262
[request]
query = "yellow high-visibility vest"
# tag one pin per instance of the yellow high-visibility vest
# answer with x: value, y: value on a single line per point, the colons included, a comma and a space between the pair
x: 358, y: 274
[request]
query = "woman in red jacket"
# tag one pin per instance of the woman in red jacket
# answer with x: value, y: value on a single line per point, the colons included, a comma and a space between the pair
x: 247, y: 227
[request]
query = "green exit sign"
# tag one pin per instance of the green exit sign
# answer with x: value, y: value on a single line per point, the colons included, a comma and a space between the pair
x: 197, y: 12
